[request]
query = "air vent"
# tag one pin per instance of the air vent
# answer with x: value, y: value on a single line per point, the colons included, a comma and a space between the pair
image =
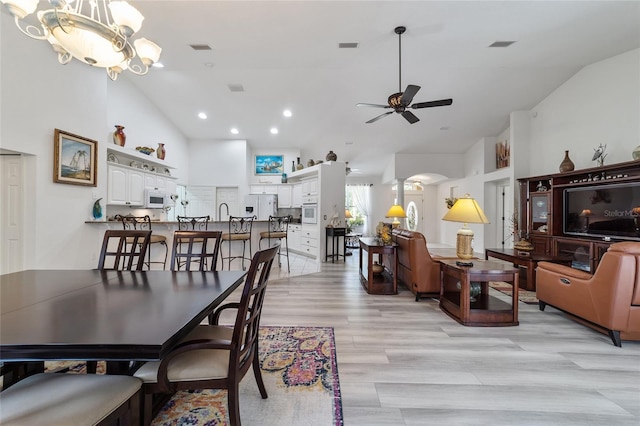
x: 352, y: 45
x: 200, y: 46
x: 235, y: 87
x: 501, y: 43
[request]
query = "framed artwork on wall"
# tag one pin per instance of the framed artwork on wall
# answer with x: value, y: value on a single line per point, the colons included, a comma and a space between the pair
x: 74, y: 159
x: 269, y: 165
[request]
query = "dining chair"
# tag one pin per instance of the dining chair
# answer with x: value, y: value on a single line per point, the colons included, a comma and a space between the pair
x: 72, y: 399
x: 193, y: 223
x: 240, y: 228
x: 200, y: 247
x: 278, y: 229
x: 131, y: 249
x: 131, y: 222
x: 214, y: 356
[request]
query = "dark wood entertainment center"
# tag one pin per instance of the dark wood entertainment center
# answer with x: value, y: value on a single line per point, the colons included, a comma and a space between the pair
x: 542, y: 211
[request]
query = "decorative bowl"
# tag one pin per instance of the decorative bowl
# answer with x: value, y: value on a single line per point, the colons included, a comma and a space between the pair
x: 377, y: 268
x: 145, y: 149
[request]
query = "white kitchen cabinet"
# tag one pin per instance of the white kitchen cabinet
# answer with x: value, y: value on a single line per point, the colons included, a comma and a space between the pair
x: 125, y: 186
x: 296, y: 195
x: 309, y: 240
x: 284, y: 196
x: 156, y: 182
x: 263, y: 189
x: 310, y: 186
x: 294, y: 236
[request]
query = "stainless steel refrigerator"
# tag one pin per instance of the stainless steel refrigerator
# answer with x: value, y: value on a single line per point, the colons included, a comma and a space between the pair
x: 261, y: 205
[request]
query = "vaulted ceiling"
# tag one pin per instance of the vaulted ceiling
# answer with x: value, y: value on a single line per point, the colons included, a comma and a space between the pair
x: 285, y: 55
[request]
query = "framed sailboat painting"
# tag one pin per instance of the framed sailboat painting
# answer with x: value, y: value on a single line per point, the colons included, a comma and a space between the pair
x: 74, y: 159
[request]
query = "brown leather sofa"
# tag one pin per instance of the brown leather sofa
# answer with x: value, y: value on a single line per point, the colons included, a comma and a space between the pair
x: 417, y: 270
x: 608, y: 300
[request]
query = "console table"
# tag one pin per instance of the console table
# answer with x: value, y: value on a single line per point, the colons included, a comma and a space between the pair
x: 335, y: 234
x: 528, y: 260
x: 484, y: 310
x: 385, y: 282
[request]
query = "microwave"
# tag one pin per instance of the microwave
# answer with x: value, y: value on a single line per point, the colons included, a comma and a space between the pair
x: 154, y: 199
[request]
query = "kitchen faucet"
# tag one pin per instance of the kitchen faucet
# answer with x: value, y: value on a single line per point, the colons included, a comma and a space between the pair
x: 220, y: 209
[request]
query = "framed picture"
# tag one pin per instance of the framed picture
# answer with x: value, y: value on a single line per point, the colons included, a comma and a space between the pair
x: 269, y: 164
x: 74, y: 159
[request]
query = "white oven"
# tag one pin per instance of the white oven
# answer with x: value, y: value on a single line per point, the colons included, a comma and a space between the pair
x: 310, y: 210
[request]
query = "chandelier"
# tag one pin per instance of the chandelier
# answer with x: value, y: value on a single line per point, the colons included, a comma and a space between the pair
x: 96, y: 32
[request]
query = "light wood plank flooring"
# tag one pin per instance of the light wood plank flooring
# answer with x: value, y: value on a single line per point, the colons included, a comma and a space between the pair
x: 406, y: 363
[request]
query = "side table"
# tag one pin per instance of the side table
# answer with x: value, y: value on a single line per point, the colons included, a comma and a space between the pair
x: 335, y: 234
x: 387, y: 281
x: 483, y: 310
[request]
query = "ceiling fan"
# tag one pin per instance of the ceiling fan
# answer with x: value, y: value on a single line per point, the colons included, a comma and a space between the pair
x: 401, y: 101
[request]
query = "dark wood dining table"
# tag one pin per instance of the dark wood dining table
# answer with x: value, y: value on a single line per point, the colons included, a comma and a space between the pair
x: 104, y: 315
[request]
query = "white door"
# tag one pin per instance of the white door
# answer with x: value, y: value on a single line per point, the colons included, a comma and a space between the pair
x: 202, y: 201
x: 414, y: 208
x: 11, y: 214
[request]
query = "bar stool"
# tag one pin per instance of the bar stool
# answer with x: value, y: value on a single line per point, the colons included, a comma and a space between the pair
x: 278, y: 230
x: 239, y: 230
x: 143, y: 223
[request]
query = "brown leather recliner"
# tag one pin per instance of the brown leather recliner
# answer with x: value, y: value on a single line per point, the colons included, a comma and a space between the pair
x: 417, y: 270
x: 608, y: 300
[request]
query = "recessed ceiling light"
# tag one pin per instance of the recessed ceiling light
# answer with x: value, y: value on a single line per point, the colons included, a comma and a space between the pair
x: 274, y: 131
x: 286, y: 113
x: 200, y: 46
x: 235, y: 131
x: 158, y: 65
x: 202, y: 115
x: 348, y: 45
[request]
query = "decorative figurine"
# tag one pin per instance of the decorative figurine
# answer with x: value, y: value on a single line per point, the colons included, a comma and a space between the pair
x: 599, y: 155
x: 97, y: 209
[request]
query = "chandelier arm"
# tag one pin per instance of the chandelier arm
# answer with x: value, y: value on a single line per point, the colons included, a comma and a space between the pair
x: 113, y: 74
x: 64, y: 58
x: 31, y: 30
x: 119, y: 40
x: 138, y: 69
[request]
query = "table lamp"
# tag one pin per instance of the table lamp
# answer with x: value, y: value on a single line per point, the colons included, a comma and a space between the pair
x: 395, y: 212
x: 347, y: 214
x: 465, y: 210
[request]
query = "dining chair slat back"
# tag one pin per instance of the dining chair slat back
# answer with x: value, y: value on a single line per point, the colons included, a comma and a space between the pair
x: 130, y: 249
x: 214, y: 356
x: 130, y: 222
x: 195, y: 248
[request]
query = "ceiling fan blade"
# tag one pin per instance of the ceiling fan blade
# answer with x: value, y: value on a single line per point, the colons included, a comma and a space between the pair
x: 411, y: 118
x: 441, y: 102
x: 379, y: 117
x: 408, y: 94
x: 373, y: 105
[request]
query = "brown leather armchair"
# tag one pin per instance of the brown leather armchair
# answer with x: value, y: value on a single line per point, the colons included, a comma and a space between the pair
x: 417, y: 270
x: 608, y: 300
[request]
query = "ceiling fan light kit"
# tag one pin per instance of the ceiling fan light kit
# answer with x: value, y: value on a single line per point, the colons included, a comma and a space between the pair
x: 400, y: 101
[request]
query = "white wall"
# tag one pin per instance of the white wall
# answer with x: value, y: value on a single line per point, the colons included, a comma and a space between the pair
x: 600, y: 104
x: 39, y: 95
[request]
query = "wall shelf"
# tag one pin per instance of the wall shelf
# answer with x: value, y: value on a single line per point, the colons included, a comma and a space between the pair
x: 130, y: 154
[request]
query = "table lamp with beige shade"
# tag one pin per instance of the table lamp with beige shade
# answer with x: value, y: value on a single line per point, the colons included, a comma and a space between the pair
x: 395, y: 212
x: 465, y: 210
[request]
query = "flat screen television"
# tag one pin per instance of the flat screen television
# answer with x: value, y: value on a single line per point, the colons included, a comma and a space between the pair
x: 603, y: 211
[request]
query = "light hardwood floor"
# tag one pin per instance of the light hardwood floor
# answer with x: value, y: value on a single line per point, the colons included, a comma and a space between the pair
x: 402, y: 362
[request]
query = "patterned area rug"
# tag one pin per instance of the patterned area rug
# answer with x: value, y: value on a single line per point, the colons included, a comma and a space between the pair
x: 525, y: 296
x: 300, y: 372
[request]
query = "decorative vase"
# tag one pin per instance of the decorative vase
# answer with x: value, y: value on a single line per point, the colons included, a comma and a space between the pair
x: 310, y: 163
x: 331, y: 156
x: 283, y: 179
x: 293, y: 166
x: 119, y: 138
x: 160, y: 152
x: 636, y: 153
x: 97, y: 209
x: 566, y: 165
x: 299, y: 166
